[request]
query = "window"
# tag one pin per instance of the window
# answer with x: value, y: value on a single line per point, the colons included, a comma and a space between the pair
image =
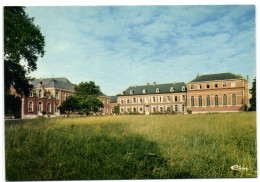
x: 131, y: 92
x: 224, y: 85
x: 64, y: 96
x: 122, y: 109
x: 176, y: 98
x: 200, y: 100
x: 122, y: 101
x: 154, y: 100
x: 134, y: 109
x: 208, y: 86
x: 171, y: 89
x: 48, y: 107
x: 216, y: 85
x: 30, y: 106
x: 182, y: 108
x: 144, y: 91
x: 154, y: 109
x: 200, y: 86
x: 183, y: 88
x: 40, y: 93
x: 161, y: 109
x: 56, y: 95
x: 128, y: 101
x: 122, y: 93
x: 192, y: 87
x: 128, y: 109
x: 208, y: 100
x: 31, y: 93
x: 107, y: 101
x: 160, y: 99
x: 183, y: 98
x: 224, y: 100
x: 141, y: 100
x: 234, y: 99
x: 157, y: 90
x: 56, y: 108
x: 40, y: 106
x: 176, y: 108
x: 233, y: 84
x: 168, y: 109
x: 141, y: 109
x: 192, y: 100
x: 216, y: 100
x: 168, y: 98
x: 134, y: 100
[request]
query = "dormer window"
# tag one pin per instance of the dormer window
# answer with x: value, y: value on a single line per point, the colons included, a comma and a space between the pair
x: 171, y: 89
x: 40, y: 93
x: 122, y: 93
x: 131, y: 92
x: 144, y: 91
x: 31, y: 93
x: 192, y: 87
x: 157, y: 90
x: 183, y: 88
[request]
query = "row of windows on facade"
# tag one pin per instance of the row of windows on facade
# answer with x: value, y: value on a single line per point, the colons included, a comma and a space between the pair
x: 160, y: 99
x: 216, y: 85
x: 216, y: 99
x: 41, y: 94
x: 40, y: 107
x: 160, y: 109
x: 157, y: 90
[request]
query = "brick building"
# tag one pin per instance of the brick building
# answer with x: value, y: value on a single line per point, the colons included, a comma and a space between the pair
x: 46, y: 96
x: 222, y: 92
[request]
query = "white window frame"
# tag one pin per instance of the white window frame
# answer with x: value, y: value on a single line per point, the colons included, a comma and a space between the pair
x: 157, y: 90
x: 48, y: 109
x: 30, y: 107
x: 171, y: 89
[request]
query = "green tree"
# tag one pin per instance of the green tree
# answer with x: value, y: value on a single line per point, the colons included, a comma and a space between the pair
x: 253, y: 98
x: 70, y: 104
x: 87, y: 93
x: 117, y: 109
x: 23, y: 42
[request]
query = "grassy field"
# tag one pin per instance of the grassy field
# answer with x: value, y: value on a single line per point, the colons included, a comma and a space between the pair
x: 131, y: 147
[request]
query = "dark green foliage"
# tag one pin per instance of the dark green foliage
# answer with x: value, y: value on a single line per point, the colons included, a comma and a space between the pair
x: 117, y: 109
x: 13, y: 106
x: 23, y: 41
x: 70, y: 104
x: 87, y: 94
x: 253, y: 99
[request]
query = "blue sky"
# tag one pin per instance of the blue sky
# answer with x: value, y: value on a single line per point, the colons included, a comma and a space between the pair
x: 120, y: 46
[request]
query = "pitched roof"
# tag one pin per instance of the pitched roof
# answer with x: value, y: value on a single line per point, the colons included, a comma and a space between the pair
x: 113, y: 99
x: 218, y: 76
x: 57, y: 83
x: 151, y: 89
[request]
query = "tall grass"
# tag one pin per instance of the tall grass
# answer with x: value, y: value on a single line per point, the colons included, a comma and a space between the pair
x: 131, y: 147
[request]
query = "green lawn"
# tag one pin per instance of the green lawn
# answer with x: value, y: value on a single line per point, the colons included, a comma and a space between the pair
x: 131, y: 147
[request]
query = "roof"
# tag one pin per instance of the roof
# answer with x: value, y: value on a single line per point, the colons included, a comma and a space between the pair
x: 151, y: 89
x: 113, y: 99
x: 56, y: 83
x: 218, y: 76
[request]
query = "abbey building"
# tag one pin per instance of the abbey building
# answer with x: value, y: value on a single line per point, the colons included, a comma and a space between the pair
x: 222, y: 92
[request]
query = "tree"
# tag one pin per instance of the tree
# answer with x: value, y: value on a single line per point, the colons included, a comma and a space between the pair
x: 87, y: 93
x: 253, y: 98
x: 70, y: 104
x: 23, y: 42
x: 117, y: 109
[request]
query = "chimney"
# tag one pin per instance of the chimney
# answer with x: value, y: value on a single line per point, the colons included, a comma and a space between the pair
x: 247, y: 78
x: 154, y: 83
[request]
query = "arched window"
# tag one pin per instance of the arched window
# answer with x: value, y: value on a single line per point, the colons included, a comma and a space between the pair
x: 157, y: 90
x: 224, y: 100
x: 216, y: 100
x: 192, y: 100
x: 171, y: 89
x: 234, y: 99
x: 144, y: 91
x: 200, y: 100
x: 208, y: 100
x: 122, y: 93
x: 30, y: 106
x: 40, y: 93
x: 131, y: 92
x: 48, y: 107
x: 183, y: 88
x: 39, y: 106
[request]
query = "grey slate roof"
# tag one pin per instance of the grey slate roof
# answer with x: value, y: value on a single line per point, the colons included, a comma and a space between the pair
x: 150, y: 89
x: 56, y: 83
x: 219, y: 76
x: 113, y: 99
